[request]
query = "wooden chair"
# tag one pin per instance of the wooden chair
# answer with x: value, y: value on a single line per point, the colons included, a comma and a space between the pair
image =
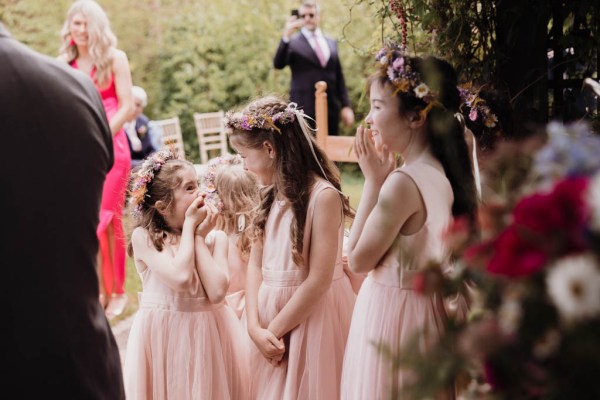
x: 338, y: 148
x: 170, y: 130
x: 210, y: 128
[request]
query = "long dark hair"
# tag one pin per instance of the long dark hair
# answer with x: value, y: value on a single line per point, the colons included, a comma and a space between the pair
x: 295, y: 167
x: 445, y: 134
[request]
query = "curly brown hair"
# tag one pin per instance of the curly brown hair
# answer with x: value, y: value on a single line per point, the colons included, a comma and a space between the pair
x: 161, y: 188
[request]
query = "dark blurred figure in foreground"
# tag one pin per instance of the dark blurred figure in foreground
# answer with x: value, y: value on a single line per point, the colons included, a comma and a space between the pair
x: 57, y: 150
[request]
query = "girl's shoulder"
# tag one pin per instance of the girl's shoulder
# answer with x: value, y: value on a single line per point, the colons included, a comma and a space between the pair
x: 139, y: 235
x: 216, y: 236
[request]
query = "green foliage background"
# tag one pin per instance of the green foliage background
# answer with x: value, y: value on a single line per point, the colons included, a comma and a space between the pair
x: 205, y: 55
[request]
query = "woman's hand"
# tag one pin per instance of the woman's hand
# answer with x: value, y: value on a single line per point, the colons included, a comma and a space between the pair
x: 209, y: 222
x: 270, y: 347
x: 374, y: 158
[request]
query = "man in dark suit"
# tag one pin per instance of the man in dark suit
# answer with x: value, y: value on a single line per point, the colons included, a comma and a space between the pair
x: 314, y: 57
x: 56, y: 152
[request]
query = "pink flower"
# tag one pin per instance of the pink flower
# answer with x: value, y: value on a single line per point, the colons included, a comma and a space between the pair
x: 473, y: 115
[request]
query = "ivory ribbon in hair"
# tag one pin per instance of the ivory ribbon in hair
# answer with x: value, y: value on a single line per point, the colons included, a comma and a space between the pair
x: 476, y: 175
x: 306, y: 129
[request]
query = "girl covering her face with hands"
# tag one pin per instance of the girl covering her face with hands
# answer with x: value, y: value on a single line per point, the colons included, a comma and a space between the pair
x: 185, y: 342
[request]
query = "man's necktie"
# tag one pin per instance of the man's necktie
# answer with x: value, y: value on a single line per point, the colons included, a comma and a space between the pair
x: 319, y: 51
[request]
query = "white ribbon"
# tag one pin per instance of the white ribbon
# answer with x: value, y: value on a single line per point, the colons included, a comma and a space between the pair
x: 307, y: 130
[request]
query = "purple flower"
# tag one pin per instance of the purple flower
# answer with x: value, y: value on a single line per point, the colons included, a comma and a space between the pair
x: 398, y: 64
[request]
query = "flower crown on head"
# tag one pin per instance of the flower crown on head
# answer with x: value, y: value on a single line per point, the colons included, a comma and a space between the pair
x: 250, y: 121
x: 478, y: 107
x: 401, y: 71
x: 144, y: 176
x: 207, y: 181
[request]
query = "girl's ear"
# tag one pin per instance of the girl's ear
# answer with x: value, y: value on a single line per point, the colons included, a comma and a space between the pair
x: 417, y: 120
x: 270, y: 149
x: 161, y: 207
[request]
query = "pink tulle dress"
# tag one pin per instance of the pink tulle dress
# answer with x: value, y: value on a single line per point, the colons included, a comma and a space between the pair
x: 181, y: 346
x: 388, y: 311
x: 236, y: 294
x: 315, y: 349
x: 113, y: 197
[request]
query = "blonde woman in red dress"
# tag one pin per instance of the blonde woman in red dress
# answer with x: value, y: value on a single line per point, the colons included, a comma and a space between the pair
x: 89, y: 45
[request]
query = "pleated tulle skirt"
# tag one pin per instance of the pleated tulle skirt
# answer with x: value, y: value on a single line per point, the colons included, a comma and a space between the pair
x: 182, y: 348
x: 393, y: 318
x: 312, y: 366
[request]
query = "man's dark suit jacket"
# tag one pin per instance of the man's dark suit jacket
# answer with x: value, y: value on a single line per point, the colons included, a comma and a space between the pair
x: 307, y: 70
x: 56, y: 151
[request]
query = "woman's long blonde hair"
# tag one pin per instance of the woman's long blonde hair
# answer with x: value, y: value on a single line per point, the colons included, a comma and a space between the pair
x: 101, y: 40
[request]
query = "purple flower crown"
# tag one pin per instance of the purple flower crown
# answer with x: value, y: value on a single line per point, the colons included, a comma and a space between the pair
x: 207, y: 181
x: 248, y: 122
x: 150, y: 167
x: 402, y: 73
x: 478, y: 108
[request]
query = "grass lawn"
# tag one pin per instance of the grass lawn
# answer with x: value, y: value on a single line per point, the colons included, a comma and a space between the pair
x: 352, y: 185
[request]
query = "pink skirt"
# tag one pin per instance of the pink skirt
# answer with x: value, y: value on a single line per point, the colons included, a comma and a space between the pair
x: 312, y: 366
x: 391, y: 316
x: 185, y: 348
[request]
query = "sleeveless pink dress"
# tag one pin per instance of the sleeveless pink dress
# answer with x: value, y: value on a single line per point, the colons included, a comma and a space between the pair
x: 113, y: 196
x: 181, y: 346
x: 313, y: 365
x: 236, y: 294
x: 388, y: 310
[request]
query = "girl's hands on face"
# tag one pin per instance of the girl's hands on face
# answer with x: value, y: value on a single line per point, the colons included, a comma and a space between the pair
x: 196, y: 212
x: 210, y: 220
x: 374, y: 158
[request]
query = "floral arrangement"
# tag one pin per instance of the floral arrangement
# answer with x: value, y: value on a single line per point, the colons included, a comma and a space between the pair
x: 401, y: 71
x: 207, y: 180
x: 477, y: 107
x: 533, y: 279
x: 248, y: 122
x: 143, y: 177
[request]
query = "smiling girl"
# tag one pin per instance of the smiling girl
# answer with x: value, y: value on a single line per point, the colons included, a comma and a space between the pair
x: 402, y: 214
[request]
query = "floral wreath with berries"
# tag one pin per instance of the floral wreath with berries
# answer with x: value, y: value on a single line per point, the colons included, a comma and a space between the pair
x: 250, y: 121
x: 403, y: 74
x: 144, y: 176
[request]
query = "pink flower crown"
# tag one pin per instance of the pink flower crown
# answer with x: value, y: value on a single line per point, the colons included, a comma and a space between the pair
x: 478, y: 108
x: 402, y: 73
x: 248, y: 122
x: 207, y: 181
x: 150, y: 167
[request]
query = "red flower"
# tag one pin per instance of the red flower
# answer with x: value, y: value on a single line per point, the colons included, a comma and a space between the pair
x: 545, y: 225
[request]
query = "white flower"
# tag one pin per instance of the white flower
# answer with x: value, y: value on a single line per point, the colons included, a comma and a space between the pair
x: 574, y: 286
x: 509, y: 316
x: 383, y: 60
x: 593, y: 199
x: 422, y: 90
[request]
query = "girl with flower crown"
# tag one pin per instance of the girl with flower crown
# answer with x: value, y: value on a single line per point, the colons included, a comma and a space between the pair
x: 89, y: 45
x: 298, y: 299
x: 401, y: 216
x: 185, y: 343
x: 236, y: 192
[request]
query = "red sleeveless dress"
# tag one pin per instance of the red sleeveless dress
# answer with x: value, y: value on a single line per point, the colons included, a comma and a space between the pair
x: 113, y: 196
